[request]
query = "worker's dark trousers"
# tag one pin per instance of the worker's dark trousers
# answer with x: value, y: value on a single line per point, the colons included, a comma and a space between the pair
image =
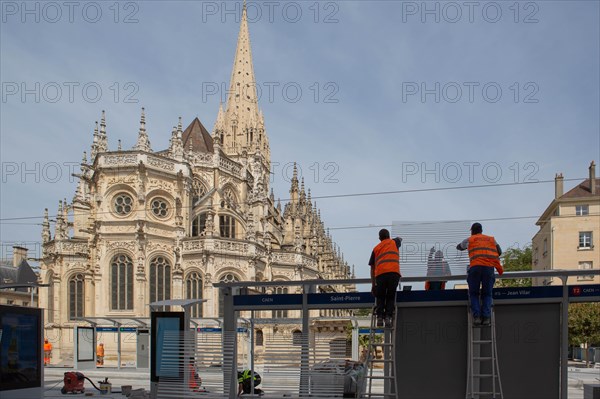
x: 385, y: 294
x: 481, y: 276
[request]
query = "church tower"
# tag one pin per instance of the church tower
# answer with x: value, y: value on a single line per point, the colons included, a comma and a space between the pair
x: 241, y: 127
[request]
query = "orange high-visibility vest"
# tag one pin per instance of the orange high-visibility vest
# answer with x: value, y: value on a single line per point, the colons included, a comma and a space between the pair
x: 483, y: 252
x: 100, y: 351
x: 48, y: 347
x: 387, y: 257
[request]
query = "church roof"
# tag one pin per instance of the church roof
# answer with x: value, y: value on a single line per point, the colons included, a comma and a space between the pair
x: 198, y: 136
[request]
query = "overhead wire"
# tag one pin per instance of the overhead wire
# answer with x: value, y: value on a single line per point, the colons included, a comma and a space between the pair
x: 431, y: 189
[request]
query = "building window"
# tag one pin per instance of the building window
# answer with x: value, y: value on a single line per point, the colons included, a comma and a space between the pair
x: 50, y: 307
x: 228, y: 278
x: 160, y: 279
x: 585, y: 239
x: 199, y: 225
x: 121, y: 277
x: 25, y: 303
x: 297, y: 337
x: 199, y: 190
x: 227, y: 226
x: 585, y: 266
x: 259, y: 339
x: 123, y: 204
x: 76, y: 296
x: 545, y: 248
x: 193, y: 290
x: 582, y: 210
x: 280, y: 313
x: 10, y: 302
x: 160, y: 207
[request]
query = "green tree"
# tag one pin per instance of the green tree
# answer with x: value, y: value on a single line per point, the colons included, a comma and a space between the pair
x: 514, y: 260
x: 584, y: 325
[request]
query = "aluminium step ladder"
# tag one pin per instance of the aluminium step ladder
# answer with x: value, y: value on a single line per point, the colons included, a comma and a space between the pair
x: 483, y: 373
x: 388, y: 361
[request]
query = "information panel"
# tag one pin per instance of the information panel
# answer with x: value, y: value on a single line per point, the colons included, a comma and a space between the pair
x: 163, y: 324
x: 20, y: 348
x: 431, y: 343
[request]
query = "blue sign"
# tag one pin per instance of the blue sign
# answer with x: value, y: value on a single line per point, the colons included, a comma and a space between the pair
x: 366, y: 330
x: 128, y: 329
x: 267, y: 300
x: 528, y: 292
x: 106, y: 329
x: 577, y: 291
x: 345, y: 298
x: 218, y: 330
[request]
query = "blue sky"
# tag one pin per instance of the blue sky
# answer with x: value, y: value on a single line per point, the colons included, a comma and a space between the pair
x: 362, y: 120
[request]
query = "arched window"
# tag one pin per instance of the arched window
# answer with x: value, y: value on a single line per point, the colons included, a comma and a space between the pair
x: 227, y: 226
x: 76, y: 288
x: 259, y: 338
x: 199, y: 190
x: 193, y: 290
x: 280, y: 313
x: 228, y: 278
x: 199, y: 224
x: 160, y: 279
x: 297, y: 337
x: 121, y: 283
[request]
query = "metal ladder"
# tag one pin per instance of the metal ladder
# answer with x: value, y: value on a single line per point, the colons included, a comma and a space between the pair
x: 482, y: 366
x: 388, y: 361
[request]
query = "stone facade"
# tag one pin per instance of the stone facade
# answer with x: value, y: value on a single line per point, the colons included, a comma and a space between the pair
x: 569, y: 235
x: 149, y: 225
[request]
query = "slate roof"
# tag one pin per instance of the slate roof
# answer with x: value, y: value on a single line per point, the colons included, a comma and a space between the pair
x: 22, y: 274
x: 582, y: 190
x: 199, y: 137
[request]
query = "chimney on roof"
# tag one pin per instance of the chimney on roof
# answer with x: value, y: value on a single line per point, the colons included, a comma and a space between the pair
x: 19, y: 254
x: 558, y: 185
x: 593, y: 178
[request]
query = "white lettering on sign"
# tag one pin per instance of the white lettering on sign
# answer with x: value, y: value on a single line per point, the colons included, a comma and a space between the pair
x: 344, y: 298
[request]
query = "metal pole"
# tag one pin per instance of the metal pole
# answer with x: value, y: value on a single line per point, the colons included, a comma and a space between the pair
x: 355, y: 341
x: 304, y: 372
x: 251, y: 351
x: 119, y: 346
x: 229, y: 339
x: 564, y: 341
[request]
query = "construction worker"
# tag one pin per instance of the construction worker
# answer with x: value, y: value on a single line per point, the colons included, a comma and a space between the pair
x: 47, y: 352
x: 385, y: 276
x: 484, y: 257
x: 100, y: 354
x: 437, y: 266
x: 194, y: 380
x: 245, y: 382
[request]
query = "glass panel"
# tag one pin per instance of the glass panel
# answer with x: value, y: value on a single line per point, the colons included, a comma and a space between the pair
x: 114, y: 286
x: 72, y: 295
x: 152, y: 282
x: 160, y: 282
x: 130, y: 286
x: 121, y: 286
x: 79, y: 296
x: 167, y: 282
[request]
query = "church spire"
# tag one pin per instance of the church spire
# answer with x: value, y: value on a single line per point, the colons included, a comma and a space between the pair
x: 242, y: 101
x: 103, y: 140
x: 143, y: 143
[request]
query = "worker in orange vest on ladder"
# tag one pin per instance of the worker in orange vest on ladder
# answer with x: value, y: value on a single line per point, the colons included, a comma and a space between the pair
x: 385, y: 276
x: 484, y: 257
x: 47, y: 352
